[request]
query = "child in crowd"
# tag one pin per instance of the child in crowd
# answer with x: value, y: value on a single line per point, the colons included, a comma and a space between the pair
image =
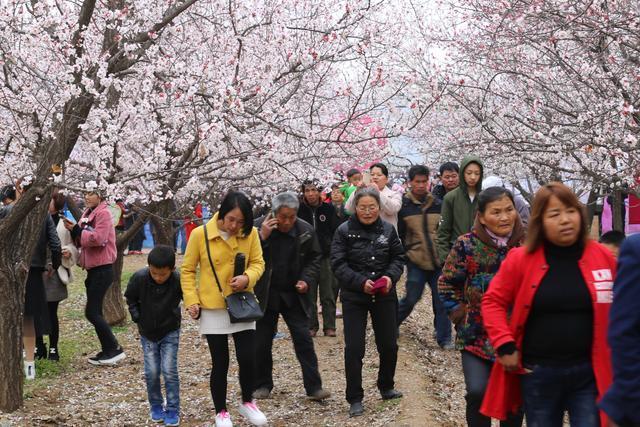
x: 354, y: 176
x: 153, y: 296
x: 613, y: 240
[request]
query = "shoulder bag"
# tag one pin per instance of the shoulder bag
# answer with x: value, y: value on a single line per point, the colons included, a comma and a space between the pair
x: 241, y: 306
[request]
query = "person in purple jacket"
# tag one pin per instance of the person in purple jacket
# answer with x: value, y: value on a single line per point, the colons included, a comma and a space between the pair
x: 95, y: 236
x: 622, y: 400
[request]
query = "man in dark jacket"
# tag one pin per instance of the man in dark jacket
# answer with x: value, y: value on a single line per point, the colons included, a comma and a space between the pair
x: 622, y: 401
x: 292, y: 255
x: 417, y: 225
x: 449, y: 180
x: 325, y: 221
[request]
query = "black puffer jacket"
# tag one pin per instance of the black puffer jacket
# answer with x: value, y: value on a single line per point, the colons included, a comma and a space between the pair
x: 362, y: 252
x: 324, y: 220
x: 155, y: 308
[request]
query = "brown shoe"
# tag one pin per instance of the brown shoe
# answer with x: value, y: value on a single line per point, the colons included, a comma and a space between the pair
x: 319, y: 395
x: 313, y: 332
x: 329, y: 332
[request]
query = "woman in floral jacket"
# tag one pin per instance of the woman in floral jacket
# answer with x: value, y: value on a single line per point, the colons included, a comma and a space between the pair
x: 473, y: 261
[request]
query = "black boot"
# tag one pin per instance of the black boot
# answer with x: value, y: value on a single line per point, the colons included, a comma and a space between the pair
x: 356, y: 409
x: 53, y: 354
x: 41, y: 351
x: 390, y: 394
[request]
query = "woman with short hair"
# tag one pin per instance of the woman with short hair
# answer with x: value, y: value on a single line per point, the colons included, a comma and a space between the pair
x: 368, y: 259
x: 473, y: 261
x: 546, y: 313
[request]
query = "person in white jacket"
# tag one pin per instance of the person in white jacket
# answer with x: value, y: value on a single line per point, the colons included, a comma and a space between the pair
x: 390, y: 201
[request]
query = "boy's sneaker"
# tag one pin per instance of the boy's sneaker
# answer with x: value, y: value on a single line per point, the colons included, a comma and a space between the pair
x: 156, y: 413
x: 171, y: 418
x: 30, y: 370
x: 108, y: 358
x: 223, y: 419
x: 53, y: 354
x: 250, y: 411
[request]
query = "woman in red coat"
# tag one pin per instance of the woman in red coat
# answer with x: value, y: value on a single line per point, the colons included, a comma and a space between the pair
x: 546, y: 313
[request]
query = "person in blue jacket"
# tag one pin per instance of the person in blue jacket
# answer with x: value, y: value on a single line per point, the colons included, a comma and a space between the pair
x: 622, y: 401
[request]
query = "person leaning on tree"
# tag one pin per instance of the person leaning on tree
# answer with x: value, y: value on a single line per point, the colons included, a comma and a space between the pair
x: 367, y: 251
x: 322, y: 216
x: 546, y: 313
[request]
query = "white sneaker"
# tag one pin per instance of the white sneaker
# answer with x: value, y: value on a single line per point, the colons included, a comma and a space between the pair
x: 223, y: 419
x: 250, y: 411
x: 30, y: 370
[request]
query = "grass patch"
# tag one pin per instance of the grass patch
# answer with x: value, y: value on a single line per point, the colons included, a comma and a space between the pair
x: 386, y: 404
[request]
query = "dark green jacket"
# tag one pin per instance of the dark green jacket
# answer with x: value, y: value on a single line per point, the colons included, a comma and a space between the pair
x: 458, y: 212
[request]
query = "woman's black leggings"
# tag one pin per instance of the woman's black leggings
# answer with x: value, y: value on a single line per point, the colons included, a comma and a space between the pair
x: 245, y: 352
x: 55, y: 326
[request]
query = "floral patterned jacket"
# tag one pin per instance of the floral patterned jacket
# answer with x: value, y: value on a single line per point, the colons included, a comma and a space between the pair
x: 473, y: 261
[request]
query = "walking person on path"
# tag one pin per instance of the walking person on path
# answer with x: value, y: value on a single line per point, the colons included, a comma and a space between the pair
x: 390, y: 201
x: 292, y: 255
x: 367, y: 258
x: 95, y: 236
x: 417, y: 224
x: 546, y: 313
x: 622, y: 401
x: 228, y: 233
x: 153, y: 296
x: 466, y: 275
x: 460, y: 205
x: 449, y: 180
x: 322, y: 216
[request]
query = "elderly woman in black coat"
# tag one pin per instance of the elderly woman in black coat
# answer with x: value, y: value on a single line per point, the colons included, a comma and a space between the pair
x: 368, y: 258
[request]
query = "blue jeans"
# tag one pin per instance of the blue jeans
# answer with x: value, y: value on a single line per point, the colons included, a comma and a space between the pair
x: 417, y: 278
x: 162, y: 357
x: 549, y: 391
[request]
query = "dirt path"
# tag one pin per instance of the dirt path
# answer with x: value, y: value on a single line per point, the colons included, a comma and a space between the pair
x: 85, y: 395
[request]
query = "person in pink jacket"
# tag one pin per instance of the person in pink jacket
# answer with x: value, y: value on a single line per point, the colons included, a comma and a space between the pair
x: 95, y: 236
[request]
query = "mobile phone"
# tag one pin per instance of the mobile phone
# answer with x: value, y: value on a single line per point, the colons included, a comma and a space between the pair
x: 366, y: 177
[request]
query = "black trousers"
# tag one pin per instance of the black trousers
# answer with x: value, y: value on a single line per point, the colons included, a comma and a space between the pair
x: 298, y: 323
x: 97, y: 283
x: 54, y: 332
x: 384, y: 315
x: 244, y: 342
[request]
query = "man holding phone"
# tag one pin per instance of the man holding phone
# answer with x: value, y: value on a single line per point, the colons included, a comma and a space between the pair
x: 292, y: 256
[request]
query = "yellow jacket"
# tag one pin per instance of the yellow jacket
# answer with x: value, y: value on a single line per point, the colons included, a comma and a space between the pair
x: 205, y: 292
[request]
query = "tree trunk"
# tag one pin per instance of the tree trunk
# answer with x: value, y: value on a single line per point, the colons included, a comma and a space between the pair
x: 617, y: 206
x: 163, y: 226
x: 114, y: 307
x: 12, y: 296
x: 591, y: 206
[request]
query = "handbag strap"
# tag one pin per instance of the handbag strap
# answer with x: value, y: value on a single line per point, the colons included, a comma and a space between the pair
x: 206, y: 243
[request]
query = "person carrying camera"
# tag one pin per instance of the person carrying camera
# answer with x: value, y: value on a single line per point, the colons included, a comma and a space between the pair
x: 368, y: 258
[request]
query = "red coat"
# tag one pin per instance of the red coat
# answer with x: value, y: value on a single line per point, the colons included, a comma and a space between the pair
x: 515, y: 285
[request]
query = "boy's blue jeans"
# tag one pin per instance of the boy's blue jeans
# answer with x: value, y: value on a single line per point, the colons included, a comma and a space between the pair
x: 161, y: 357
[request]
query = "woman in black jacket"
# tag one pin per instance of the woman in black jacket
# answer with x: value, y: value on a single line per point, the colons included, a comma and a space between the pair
x: 368, y: 258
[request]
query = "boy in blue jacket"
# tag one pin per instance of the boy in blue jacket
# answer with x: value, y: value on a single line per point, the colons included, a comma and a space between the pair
x: 153, y: 296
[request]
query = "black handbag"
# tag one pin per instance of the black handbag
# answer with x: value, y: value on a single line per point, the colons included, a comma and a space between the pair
x: 241, y: 306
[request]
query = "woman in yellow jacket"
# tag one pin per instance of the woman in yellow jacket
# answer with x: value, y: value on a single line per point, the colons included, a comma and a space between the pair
x: 229, y: 232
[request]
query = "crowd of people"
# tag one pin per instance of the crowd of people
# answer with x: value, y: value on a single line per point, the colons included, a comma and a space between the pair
x: 540, y: 327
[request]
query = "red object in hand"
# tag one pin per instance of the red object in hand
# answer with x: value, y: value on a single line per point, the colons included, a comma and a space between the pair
x: 380, y: 286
